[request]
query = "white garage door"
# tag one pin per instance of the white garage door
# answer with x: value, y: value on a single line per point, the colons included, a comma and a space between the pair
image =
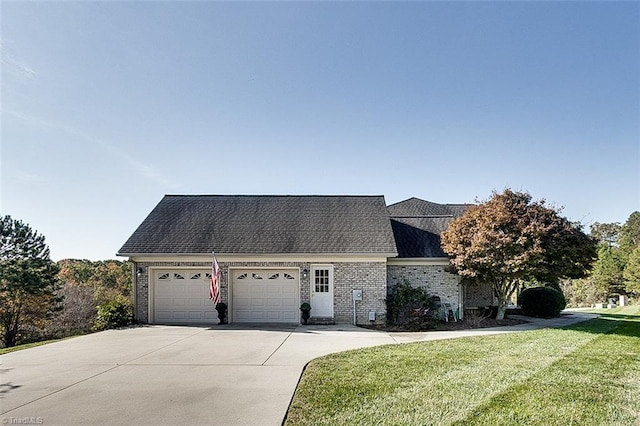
x: 182, y: 297
x: 265, y: 295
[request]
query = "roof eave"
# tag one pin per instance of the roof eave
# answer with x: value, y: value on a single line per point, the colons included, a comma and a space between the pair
x: 274, y: 255
x: 441, y: 261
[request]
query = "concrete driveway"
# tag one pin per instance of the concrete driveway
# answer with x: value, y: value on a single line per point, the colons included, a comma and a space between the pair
x: 168, y: 375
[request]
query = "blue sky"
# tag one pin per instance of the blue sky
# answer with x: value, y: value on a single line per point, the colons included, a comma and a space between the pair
x: 107, y: 106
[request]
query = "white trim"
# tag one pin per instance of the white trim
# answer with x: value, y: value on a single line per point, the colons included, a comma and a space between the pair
x: 257, y: 255
x: 263, y: 267
x: 136, y: 285
x: 151, y: 286
x: 230, y: 258
x: 442, y: 261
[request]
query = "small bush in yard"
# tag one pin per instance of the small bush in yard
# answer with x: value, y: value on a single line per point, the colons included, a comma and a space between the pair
x: 476, y: 317
x: 543, y: 302
x: 113, y: 314
x: 410, y: 307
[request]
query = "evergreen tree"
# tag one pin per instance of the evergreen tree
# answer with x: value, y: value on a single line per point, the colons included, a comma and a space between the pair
x: 28, y: 282
x: 629, y: 237
x: 607, y: 271
x: 631, y: 273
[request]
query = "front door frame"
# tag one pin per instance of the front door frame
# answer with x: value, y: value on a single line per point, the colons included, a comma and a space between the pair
x: 322, y: 302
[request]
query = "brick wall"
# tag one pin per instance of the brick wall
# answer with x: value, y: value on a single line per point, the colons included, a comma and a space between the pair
x: 478, y: 295
x: 433, y: 278
x: 368, y: 277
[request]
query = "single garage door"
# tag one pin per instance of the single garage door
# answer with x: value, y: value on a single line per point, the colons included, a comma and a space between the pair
x: 265, y: 295
x: 182, y: 297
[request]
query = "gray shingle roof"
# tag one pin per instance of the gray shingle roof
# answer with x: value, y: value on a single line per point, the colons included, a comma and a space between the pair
x: 415, y: 207
x: 417, y: 225
x: 264, y: 224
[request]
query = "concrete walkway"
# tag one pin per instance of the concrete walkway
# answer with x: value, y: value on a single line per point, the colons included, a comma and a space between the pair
x: 167, y: 375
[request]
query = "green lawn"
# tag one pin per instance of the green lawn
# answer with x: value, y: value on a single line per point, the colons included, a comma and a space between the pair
x: 30, y: 345
x: 586, y: 374
x: 25, y: 346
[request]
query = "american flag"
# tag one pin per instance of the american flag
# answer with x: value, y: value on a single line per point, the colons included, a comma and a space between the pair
x: 214, y: 288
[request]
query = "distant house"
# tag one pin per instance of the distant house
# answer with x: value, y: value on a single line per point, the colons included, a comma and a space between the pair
x: 276, y: 252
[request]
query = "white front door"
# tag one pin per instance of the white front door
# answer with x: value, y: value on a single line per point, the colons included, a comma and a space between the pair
x: 322, y: 291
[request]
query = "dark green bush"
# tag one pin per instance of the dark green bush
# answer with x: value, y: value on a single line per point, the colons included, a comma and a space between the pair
x: 113, y: 314
x: 305, y: 307
x: 410, y: 307
x: 545, y: 302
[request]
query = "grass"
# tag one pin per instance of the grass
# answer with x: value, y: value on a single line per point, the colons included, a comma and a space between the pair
x: 25, y: 346
x: 29, y: 345
x: 586, y: 374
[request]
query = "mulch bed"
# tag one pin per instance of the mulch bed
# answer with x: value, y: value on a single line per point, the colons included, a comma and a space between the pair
x: 450, y: 326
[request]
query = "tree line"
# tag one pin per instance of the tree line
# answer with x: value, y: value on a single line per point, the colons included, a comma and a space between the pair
x: 616, y: 270
x: 41, y: 299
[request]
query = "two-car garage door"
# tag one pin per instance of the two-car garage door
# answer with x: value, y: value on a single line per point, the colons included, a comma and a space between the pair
x: 258, y: 295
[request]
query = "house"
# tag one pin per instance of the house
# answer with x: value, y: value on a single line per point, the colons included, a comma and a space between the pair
x: 276, y: 252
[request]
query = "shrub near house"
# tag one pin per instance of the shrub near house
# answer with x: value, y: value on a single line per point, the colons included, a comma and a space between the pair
x: 105, y: 287
x: 114, y: 314
x: 410, y: 307
x: 543, y: 302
